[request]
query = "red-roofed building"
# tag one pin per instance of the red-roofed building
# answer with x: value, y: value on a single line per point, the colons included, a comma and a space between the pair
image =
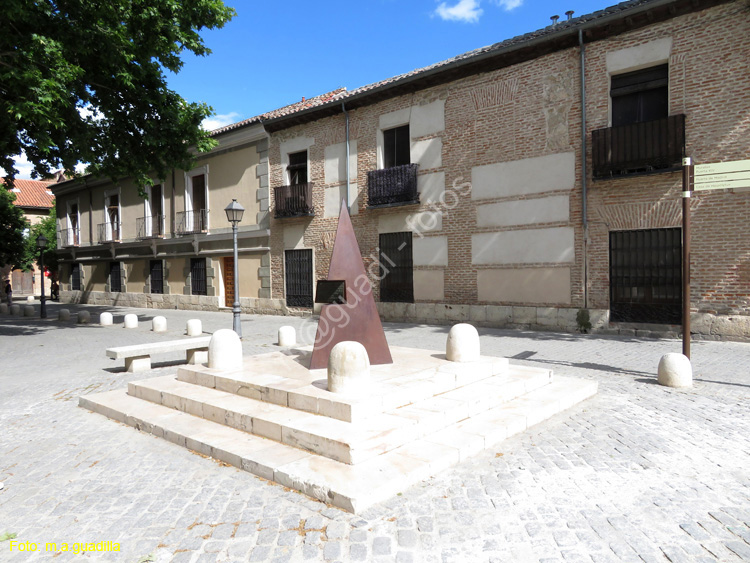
x: 36, y: 200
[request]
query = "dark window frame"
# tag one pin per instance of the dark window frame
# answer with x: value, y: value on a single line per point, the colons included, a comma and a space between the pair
x: 298, y: 277
x: 640, y: 96
x: 396, y: 146
x: 645, y: 273
x: 396, y: 267
x: 297, y: 168
x: 75, y: 277
x: 115, y: 277
x: 198, y: 278
x: 156, y: 282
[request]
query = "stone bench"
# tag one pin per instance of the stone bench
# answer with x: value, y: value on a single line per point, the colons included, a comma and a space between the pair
x: 138, y: 356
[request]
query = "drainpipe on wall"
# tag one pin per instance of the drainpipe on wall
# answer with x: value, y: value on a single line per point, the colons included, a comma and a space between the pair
x: 348, y: 187
x: 91, y: 212
x: 583, y: 172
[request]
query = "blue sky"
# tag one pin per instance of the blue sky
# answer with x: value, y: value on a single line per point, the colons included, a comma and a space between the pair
x: 274, y: 53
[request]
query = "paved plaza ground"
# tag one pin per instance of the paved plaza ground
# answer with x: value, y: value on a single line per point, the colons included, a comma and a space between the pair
x: 638, y: 473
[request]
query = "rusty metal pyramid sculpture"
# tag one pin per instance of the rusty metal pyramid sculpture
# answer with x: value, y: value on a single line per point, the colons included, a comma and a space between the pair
x: 358, y: 319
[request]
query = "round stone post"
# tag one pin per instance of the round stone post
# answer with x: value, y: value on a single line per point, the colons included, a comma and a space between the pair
x: 4, y: 308
x: 30, y: 299
x: 287, y: 336
x: 675, y: 370
x: 15, y: 309
x: 84, y: 317
x: 348, y: 368
x: 194, y: 327
x: 63, y: 315
x: 105, y: 319
x: 462, y: 344
x: 131, y: 320
x: 28, y: 311
x: 225, y: 350
x: 159, y: 324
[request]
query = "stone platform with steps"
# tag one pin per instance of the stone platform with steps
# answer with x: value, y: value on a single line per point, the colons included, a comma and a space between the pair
x: 275, y: 418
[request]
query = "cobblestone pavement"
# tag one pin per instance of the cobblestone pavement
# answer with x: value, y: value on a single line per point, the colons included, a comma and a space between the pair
x: 638, y: 473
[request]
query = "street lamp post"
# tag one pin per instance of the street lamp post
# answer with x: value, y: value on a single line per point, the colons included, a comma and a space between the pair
x: 234, y: 213
x: 41, y: 243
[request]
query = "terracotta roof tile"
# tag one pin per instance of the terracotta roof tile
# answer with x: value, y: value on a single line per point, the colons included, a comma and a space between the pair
x: 343, y: 94
x: 32, y: 193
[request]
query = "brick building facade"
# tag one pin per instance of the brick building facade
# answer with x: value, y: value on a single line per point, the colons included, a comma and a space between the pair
x: 474, y: 195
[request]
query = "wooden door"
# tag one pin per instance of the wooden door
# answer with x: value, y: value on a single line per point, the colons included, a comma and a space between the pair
x: 228, y: 281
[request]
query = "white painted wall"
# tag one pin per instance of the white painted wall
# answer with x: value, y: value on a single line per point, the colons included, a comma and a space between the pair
x: 430, y: 251
x: 429, y: 285
x: 524, y: 285
x: 524, y: 212
x: 528, y: 246
x: 522, y: 177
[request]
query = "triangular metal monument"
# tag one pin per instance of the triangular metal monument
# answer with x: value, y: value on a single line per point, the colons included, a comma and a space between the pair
x: 357, y: 320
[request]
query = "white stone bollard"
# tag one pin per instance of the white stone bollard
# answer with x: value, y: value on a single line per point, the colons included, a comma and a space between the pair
x: 84, y: 317
x: 462, y: 344
x: 225, y: 350
x: 159, y: 324
x: 4, y: 309
x: 194, y: 327
x: 675, y: 371
x: 287, y: 336
x: 131, y: 320
x: 30, y: 299
x: 105, y: 319
x: 28, y: 311
x: 15, y: 309
x: 63, y: 315
x: 348, y: 368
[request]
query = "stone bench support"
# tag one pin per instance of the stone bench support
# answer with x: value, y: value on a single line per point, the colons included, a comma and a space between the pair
x: 138, y: 356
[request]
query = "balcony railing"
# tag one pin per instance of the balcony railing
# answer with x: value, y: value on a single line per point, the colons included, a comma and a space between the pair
x: 150, y: 226
x: 294, y: 201
x: 109, y: 232
x: 639, y: 147
x: 69, y: 237
x: 393, y: 186
x: 189, y: 222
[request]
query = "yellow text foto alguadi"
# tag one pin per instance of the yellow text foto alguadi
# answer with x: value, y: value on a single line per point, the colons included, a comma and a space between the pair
x: 72, y: 547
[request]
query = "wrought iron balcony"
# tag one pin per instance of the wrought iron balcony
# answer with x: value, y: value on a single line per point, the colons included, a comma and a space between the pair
x: 190, y: 222
x: 393, y: 186
x: 294, y: 201
x: 150, y: 226
x: 635, y: 148
x: 109, y: 232
x: 70, y: 236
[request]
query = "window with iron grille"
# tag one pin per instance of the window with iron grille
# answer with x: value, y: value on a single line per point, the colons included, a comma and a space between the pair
x: 198, y: 276
x: 396, y: 147
x: 298, y: 274
x: 297, y: 168
x: 645, y: 272
x: 156, y: 276
x: 75, y: 277
x: 115, y: 277
x: 396, y: 268
x: 640, y: 96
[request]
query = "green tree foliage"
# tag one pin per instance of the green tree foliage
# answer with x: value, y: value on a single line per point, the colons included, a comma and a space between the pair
x: 48, y: 228
x: 83, y: 81
x: 12, y: 225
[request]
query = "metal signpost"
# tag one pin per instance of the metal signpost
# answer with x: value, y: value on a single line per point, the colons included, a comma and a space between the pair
x: 703, y: 177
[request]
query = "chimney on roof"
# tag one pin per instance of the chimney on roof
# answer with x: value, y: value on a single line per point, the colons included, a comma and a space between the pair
x: 303, y: 98
x: 554, y: 20
x: 569, y: 13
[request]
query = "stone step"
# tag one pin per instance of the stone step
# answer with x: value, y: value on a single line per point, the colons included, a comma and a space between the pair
x: 412, y: 377
x: 345, y: 442
x: 351, y: 487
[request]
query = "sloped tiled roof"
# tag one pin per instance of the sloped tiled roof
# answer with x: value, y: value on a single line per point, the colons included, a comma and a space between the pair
x: 567, y: 29
x: 33, y: 193
x: 286, y: 110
